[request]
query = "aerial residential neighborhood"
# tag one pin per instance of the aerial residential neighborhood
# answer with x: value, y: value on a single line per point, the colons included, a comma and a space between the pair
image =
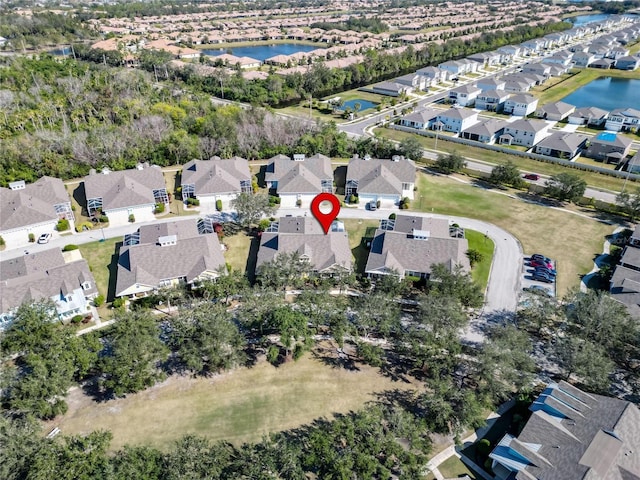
x: 320, y: 239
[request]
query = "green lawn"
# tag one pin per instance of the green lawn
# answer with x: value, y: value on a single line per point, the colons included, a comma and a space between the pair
x: 593, y: 179
x: 453, y: 467
x: 356, y: 230
x: 237, y: 253
x: 239, y: 406
x: 559, y: 234
x: 478, y: 241
x: 102, y: 258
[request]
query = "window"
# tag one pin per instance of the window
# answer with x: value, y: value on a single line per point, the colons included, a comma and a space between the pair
x: 407, y: 186
x: 245, y: 186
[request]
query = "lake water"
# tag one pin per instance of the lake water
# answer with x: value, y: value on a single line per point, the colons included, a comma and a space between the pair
x: 262, y: 52
x: 607, y: 93
x: 364, y: 104
x: 584, y: 19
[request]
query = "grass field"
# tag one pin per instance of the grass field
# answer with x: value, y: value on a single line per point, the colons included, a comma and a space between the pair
x: 237, y: 253
x: 478, y: 241
x: 593, y: 179
x: 240, y: 406
x: 453, y: 467
x: 103, y: 263
x: 356, y: 230
x: 556, y: 233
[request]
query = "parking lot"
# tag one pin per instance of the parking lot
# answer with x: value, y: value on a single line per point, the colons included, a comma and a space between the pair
x: 538, y: 273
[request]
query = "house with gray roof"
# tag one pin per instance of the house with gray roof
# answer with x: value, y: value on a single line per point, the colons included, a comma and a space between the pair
x: 411, y: 246
x: 124, y: 193
x: 521, y: 105
x: 413, y: 80
x: 634, y: 163
x: 572, y: 435
x: 457, y: 119
x: 491, y: 83
x: 327, y: 254
x: 563, y: 145
x: 541, y: 69
x: 524, y: 132
x: 492, y: 100
x: 32, y: 208
x: 374, y: 179
x: 485, y: 131
x: 464, y: 95
x: 609, y: 147
x: 627, y: 62
x: 164, y: 255
x: 63, y: 278
x: 433, y: 75
x: 299, y: 179
x: 555, y: 111
x: 420, y: 120
x: 391, y: 89
x: 516, y: 84
x: 215, y: 179
x: 623, y: 119
x: 584, y: 58
x: 588, y: 116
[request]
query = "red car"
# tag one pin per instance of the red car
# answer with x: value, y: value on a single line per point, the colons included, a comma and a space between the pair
x: 532, y: 176
x: 537, y: 263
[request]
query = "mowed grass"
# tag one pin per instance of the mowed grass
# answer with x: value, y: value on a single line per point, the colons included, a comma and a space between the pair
x: 524, y: 164
x: 237, y: 252
x: 103, y: 262
x: 453, y: 467
x: 483, y: 244
x: 356, y: 230
x: 572, y: 239
x: 240, y: 406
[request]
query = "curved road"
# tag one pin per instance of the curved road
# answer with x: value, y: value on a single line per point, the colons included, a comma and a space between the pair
x: 504, y: 279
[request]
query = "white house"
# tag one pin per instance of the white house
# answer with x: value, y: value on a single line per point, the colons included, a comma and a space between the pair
x: 457, y: 119
x: 421, y: 120
x: 492, y: 100
x: 524, y: 132
x: 623, y: 119
x: 521, y: 105
x: 464, y: 95
x: 374, y: 179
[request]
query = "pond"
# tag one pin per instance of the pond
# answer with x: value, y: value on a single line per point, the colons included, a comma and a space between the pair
x: 261, y: 52
x: 584, y: 19
x: 364, y: 104
x: 607, y: 93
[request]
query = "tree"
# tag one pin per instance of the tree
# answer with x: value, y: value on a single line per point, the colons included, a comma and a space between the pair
x: 411, y: 148
x: 450, y: 163
x: 133, y: 352
x: 251, y: 208
x: 50, y: 359
x: 206, y: 340
x: 565, y: 186
x: 630, y: 203
x: 456, y: 284
x: 285, y: 270
x: 293, y: 328
x: 474, y: 256
x: 506, y: 174
x: 586, y: 360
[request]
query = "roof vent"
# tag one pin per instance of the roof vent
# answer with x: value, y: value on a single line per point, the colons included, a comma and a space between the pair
x: 18, y: 185
x: 167, y: 240
x: 298, y: 157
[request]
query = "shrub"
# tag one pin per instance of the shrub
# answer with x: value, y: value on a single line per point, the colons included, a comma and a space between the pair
x: 76, y: 319
x: 103, y: 219
x: 2, y: 242
x: 273, y: 352
x: 474, y: 256
x: 219, y: 205
x: 298, y: 203
x: 118, y: 303
x: 191, y: 201
x: 99, y: 300
x: 356, y: 199
x: 68, y: 248
x: 84, y: 226
x: 62, y: 225
x: 132, y: 218
x: 159, y: 207
x: 32, y: 238
x: 377, y: 203
x: 484, y: 447
x: 392, y: 216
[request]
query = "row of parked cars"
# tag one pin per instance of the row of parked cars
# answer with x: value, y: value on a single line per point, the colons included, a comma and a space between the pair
x: 543, y: 268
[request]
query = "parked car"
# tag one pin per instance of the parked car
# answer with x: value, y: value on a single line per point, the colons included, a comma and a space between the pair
x: 549, y: 271
x: 542, y: 277
x: 373, y: 205
x: 538, y: 289
x: 532, y: 176
x: 538, y: 263
x: 44, y: 238
x: 540, y: 257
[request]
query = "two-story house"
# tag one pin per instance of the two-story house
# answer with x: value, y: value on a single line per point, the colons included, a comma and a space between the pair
x: 492, y: 100
x: 457, y: 119
x: 521, y: 105
x: 524, y: 132
x: 464, y: 95
x: 609, y: 147
x: 623, y: 119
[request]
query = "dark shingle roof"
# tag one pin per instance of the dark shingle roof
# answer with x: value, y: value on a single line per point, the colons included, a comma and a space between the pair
x: 216, y: 176
x: 381, y: 177
x: 299, y: 176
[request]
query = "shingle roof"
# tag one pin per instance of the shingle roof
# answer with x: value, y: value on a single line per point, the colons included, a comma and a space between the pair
x: 41, y: 275
x: 305, y: 235
x: 466, y: 89
x: 31, y: 205
x: 422, y: 116
x: 522, y: 98
x: 458, y: 113
x: 148, y: 263
x: 127, y: 188
x: 573, y: 436
x: 527, y: 125
x: 590, y: 113
x: 299, y: 176
x: 563, y: 141
x: 612, y: 139
x: 487, y: 127
x: 216, y: 176
x: 557, y: 108
x: 381, y: 177
x: 398, y: 249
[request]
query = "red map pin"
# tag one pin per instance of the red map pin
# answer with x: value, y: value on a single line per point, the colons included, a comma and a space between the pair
x: 325, y: 219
